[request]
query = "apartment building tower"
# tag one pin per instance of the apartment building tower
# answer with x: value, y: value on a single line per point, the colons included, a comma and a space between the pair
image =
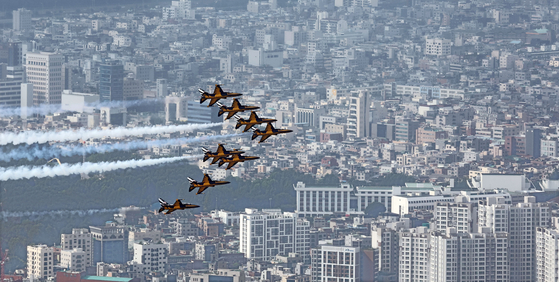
x: 40, y: 262
x: 267, y: 233
x: 44, y: 70
x: 358, y: 120
x: 153, y: 257
x: 79, y: 239
x: 22, y: 19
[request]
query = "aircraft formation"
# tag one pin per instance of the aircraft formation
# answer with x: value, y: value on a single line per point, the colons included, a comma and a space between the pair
x: 222, y: 156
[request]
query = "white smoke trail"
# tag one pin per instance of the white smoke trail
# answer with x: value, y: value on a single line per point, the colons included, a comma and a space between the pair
x: 46, y: 109
x: 21, y: 172
x: 30, y: 137
x: 34, y: 151
x: 63, y: 213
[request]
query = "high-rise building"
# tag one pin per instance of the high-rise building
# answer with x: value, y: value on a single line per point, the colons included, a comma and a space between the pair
x: 197, y: 113
x: 22, y: 19
x: 336, y: 264
x: 133, y: 89
x: 520, y: 222
x: 73, y: 260
x: 110, y: 244
x: 533, y: 142
x: 26, y: 99
x: 358, y: 120
x: 79, y: 239
x: 10, y: 92
x: 153, y: 257
x: 414, y: 255
x: 14, y: 54
x: 111, y: 81
x: 161, y: 86
x: 547, y: 254
x: 265, y: 234
x: 462, y: 216
x: 44, y: 70
x: 40, y: 262
x: 467, y: 257
x: 176, y: 108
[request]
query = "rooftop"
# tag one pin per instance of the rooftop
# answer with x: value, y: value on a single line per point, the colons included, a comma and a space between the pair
x: 105, y: 278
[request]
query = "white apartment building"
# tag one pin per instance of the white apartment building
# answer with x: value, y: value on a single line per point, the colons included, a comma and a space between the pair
x: 520, y: 221
x: 437, y: 46
x: 22, y: 19
x: 336, y: 264
x: 74, y: 260
x: 468, y: 257
x: 358, y: 120
x: 549, y: 147
x: 461, y: 216
x: 414, y: 256
x: 267, y: 233
x: 39, y: 262
x: 79, y: 239
x: 153, y: 257
x: 44, y: 70
x: 547, y: 254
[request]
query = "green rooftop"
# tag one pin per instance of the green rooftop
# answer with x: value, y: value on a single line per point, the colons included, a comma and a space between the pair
x: 105, y: 278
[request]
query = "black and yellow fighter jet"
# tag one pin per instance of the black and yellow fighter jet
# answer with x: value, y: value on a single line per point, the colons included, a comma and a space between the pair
x: 235, y: 108
x: 178, y: 205
x: 233, y: 160
x: 270, y: 130
x: 219, y: 154
x: 216, y: 96
x: 252, y: 120
x: 205, y: 184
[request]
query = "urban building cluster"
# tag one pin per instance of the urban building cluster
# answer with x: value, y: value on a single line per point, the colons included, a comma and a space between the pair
x: 462, y: 96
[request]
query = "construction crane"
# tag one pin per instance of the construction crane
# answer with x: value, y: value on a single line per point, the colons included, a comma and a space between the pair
x: 2, y: 263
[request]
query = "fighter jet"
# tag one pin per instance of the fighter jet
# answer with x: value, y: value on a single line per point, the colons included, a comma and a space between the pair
x: 235, y: 108
x: 205, y: 184
x: 219, y: 154
x: 216, y: 96
x: 270, y: 130
x: 252, y: 120
x: 233, y: 160
x: 178, y: 205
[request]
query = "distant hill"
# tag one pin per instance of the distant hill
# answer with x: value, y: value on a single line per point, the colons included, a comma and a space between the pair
x: 99, y: 5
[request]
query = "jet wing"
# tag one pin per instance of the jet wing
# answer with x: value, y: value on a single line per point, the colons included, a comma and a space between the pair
x: 236, y: 104
x: 218, y: 91
x: 215, y: 160
x: 202, y: 189
x: 177, y: 203
x: 269, y: 127
x: 248, y: 126
x: 231, y: 164
x: 230, y: 114
x: 206, y: 179
x: 264, y: 137
x: 220, y: 149
x: 213, y: 101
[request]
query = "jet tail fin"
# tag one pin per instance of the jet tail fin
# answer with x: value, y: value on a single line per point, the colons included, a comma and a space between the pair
x: 191, y: 180
x: 161, y: 209
x: 254, y: 135
x: 203, y: 99
x: 201, y: 91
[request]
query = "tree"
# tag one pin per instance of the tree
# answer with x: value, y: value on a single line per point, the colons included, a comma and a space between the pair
x: 374, y: 209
